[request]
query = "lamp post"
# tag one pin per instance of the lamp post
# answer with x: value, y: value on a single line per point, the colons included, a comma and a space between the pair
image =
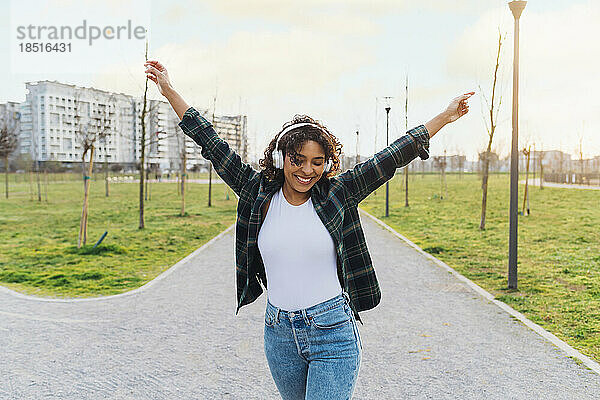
x: 357, y: 152
x: 517, y: 8
x: 406, y: 130
x: 387, y: 143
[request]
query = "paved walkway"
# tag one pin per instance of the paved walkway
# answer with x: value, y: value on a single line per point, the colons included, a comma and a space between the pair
x: 431, y: 337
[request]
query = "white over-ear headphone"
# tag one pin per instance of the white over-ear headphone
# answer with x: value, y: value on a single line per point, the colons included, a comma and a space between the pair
x: 277, y: 155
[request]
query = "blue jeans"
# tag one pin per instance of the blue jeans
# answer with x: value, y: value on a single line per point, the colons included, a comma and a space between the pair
x: 313, y: 353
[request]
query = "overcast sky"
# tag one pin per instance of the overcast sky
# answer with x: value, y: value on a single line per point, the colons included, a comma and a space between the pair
x: 332, y: 59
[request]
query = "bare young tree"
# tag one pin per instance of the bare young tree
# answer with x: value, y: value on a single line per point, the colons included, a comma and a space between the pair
x: 148, y: 142
x: 564, y: 176
x: 440, y: 163
x: 493, y: 109
x: 527, y: 153
x: 460, y: 161
x: 91, y: 123
x: 183, y: 154
x: 443, y: 165
x: 8, y: 142
x: 106, y: 188
x: 148, y: 118
x: 146, y: 112
x: 541, y: 155
x: 148, y: 121
x: 142, y: 163
x: 581, y: 179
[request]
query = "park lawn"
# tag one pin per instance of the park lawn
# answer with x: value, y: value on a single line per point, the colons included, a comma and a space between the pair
x: 38, y: 241
x: 558, y: 254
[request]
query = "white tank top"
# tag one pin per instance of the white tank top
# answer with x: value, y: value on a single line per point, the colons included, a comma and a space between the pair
x: 298, y: 254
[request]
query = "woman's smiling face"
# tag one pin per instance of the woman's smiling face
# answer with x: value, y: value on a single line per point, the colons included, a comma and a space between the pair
x: 311, y: 159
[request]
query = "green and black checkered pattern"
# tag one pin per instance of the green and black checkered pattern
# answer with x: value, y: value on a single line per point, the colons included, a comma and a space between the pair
x: 335, y: 200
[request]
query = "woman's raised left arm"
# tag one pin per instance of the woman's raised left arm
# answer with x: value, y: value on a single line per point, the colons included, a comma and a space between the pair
x: 456, y: 109
x: 367, y: 176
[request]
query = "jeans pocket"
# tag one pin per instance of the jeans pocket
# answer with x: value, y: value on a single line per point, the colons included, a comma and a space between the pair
x: 332, y: 318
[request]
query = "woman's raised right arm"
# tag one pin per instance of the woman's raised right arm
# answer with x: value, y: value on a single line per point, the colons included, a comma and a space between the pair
x: 177, y: 102
x: 158, y: 74
x: 226, y: 161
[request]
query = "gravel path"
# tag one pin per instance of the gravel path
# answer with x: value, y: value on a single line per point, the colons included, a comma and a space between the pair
x: 431, y: 337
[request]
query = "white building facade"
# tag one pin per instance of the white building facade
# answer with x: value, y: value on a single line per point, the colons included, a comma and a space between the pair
x: 10, y: 118
x: 55, y: 117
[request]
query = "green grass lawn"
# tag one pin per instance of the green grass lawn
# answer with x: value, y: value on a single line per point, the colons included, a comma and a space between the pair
x: 38, y: 241
x: 559, y: 246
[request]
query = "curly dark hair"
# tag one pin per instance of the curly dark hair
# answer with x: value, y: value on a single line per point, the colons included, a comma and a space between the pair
x: 292, y: 141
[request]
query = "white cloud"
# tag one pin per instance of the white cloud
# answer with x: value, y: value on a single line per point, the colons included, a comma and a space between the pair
x: 260, y: 63
x: 289, y: 10
x: 174, y: 13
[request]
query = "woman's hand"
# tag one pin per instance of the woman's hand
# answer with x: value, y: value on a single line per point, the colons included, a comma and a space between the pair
x: 158, y: 74
x: 458, y: 107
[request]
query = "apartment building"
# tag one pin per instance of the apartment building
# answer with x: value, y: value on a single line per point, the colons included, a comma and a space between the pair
x: 55, y: 119
x: 10, y: 117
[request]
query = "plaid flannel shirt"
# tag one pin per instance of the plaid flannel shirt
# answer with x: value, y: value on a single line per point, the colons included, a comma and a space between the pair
x: 335, y: 200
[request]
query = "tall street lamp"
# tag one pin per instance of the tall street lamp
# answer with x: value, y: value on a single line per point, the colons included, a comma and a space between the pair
x: 357, y: 152
x: 517, y: 8
x: 387, y: 143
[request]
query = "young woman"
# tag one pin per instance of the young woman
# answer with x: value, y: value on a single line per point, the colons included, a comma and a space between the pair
x: 298, y: 234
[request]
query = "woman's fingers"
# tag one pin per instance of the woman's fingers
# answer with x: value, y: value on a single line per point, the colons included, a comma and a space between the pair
x: 155, y: 64
x: 157, y: 74
x: 464, y: 96
x: 151, y: 72
x: 152, y: 69
x: 459, y: 107
x: 462, y: 102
